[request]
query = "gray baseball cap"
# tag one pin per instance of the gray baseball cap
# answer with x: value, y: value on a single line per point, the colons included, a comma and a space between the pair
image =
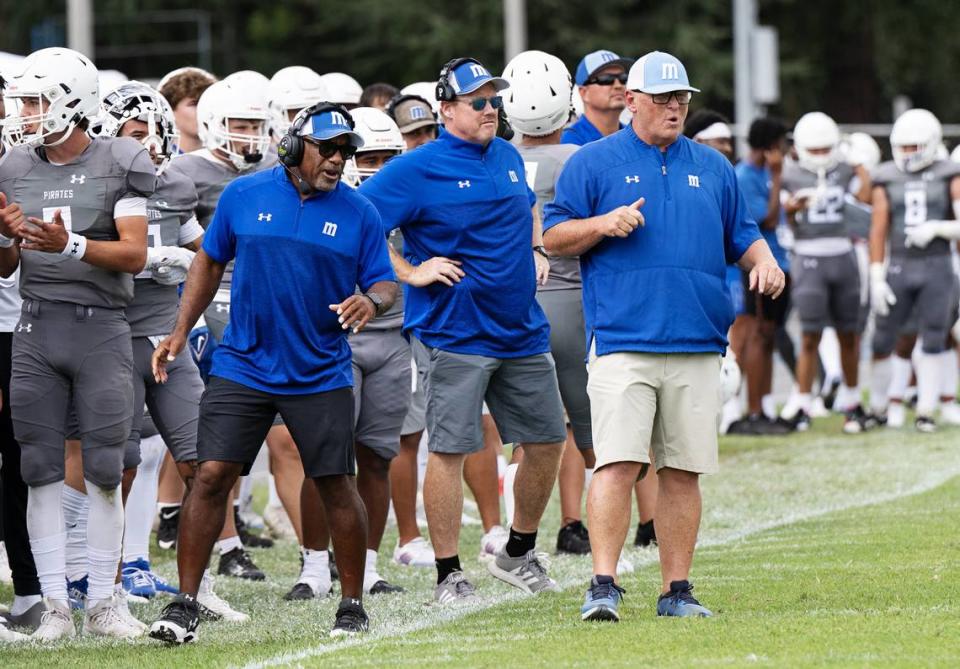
x: 412, y: 114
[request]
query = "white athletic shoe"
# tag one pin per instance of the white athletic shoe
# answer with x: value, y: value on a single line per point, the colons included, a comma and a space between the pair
x: 415, y: 553
x: 950, y: 413
x: 6, y: 576
x: 55, y: 623
x: 106, y: 619
x: 493, y: 542
x: 278, y: 522
x: 206, y: 597
x: 124, y: 609
x: 624, y: 565
x: 818, y: 409
x: 896, y: 415
x: 7, y: 635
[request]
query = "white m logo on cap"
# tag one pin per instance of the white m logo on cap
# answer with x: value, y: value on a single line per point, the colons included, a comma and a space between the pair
x: 478, y: 70
x: 336, y: 118
x: 417, y: 113
x: 669, y: 71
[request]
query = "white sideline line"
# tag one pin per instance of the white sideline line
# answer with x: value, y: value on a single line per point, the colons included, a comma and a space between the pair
x: 822, y: 466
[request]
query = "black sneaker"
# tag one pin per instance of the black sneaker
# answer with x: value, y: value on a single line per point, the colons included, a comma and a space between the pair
x: 646, y: 534
x: 167, y: 531
x: 800, y: 422
x: 831, y: 395
x: 351, y: 619
x: 237, y: 563
x: 856, y: 420
x: 574, y: 539
x: 925, y: 424
x: 300, y: 592
x: 334, y: 574
x: 758, y: 424
x: 178, y: 621
x: 383, y: 587
x: 247, y: 538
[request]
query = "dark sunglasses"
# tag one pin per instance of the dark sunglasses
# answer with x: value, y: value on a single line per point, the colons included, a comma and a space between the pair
x: 479, y: 104
x: 607, y: 79
x: 683, y: 97
x: 327, y: 149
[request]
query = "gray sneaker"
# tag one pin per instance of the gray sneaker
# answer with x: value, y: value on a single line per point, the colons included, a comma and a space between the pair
x: 455, y: 589
x: 526, y: 572
x: 29, y: 619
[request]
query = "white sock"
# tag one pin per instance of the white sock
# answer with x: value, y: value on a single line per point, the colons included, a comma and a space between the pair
x: 949, y: 375
x: 928, y: 384
x: 48, y: 538
x: 370, y: 575
x: 228, y: 544
x: 768, y: 404
x: 245, y: 495
x: 880, y: 375
x: 901, y: 369
x: 829, y: 350
x: 804, y: 401
x: 75, y: 512
x: 22, y: 603
x: 138, y: 513
x: 316, y: 567
x: 273, y: 499
x: 508, y: 497
x: 104, y: 541
x: 847, y: 397
x: 587, y: 478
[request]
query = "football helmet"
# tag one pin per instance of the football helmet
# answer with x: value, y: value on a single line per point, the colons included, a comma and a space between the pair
x: 816, y: 130
x: 292, y: 89
x: 426, y: 90
x: 859, y: 148
x: 231, y: 99
x: 342, y: 88
x: 538, y: 100
x: 919, y: 128
x: 135, y: 100
x: 379, y: 133
x: 62, y: 79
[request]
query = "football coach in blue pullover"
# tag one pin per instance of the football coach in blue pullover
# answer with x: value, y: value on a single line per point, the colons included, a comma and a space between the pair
x: 473, y: 257
x: 302, y: 241
x: 655, y: 218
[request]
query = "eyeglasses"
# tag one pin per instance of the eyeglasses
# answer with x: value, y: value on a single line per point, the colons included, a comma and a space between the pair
x: 606, y: 79
x: 479, y: 104
x: 327, y: 149
x: 683, y: 97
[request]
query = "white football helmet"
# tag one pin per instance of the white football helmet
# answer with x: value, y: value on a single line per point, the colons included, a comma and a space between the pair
x: 859, y: 148
x: 816, y: 130
x: 292, y: 89
x: 955, y: 154
x: 538, y: 100
x: 63, y: 79
x: 379, y: 133
x: 225, y: 100
x: 919, y: 128
x: 135, y: 100
x: 730, y: 377
x: 342, y: 88
x: 426, y: 90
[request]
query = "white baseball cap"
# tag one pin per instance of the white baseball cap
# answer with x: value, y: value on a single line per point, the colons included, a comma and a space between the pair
x: 659, y: 72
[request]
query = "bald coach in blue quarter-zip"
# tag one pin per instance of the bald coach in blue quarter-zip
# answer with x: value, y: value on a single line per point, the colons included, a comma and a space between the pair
x: 655, y: 219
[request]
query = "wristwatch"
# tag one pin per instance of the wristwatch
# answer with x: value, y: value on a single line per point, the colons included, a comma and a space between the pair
x: 542, y: 250
x: 377, y: 302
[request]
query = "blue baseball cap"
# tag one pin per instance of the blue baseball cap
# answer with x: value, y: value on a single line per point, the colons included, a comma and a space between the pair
x: 471, y: 75
x: 659, y: 72
x: 329, y: 124
x: 597, y: 59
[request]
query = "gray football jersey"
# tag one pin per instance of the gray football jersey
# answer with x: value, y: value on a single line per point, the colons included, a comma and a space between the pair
x: 915, y: 198
x: 154, y: 307
x: 543, y: 165
x: 392, y: 317
x: 825, y: 217
x: 85, y: 192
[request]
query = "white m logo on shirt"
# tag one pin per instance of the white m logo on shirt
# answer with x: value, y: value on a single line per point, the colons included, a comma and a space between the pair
x: 336, y: 118
x: 669, y: 71
x: 330, y: 229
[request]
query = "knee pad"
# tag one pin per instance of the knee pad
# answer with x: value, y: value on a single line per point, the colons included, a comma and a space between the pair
x: 41, y: 464
x: 884, y: 340
x: 104, y: 452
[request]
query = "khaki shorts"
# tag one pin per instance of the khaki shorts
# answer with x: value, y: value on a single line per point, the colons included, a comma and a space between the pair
x: 665, y: 403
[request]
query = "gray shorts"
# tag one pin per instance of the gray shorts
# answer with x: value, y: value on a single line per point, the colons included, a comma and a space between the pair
x: 522, y: 394
x: 564, y: 310
x: 64, y: 352
x: 924, y: 287
x: 217, y: 316
x: 381, y: 389
x: 174, y: 405
x: 416, y: 418
x: 826, y: 291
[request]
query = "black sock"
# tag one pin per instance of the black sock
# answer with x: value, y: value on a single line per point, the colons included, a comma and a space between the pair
x: 446, y: 566
x: 519, y: 544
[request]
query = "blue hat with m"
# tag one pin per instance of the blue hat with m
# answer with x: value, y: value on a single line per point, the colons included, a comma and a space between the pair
x: 659, y: 72
x: 596, y: 60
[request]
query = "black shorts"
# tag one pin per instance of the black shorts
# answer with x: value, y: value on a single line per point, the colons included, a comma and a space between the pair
x: 775, y: 310
x: 235, y: 419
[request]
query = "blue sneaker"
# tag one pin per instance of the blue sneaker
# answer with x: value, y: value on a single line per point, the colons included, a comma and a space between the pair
x: 681, y: 602
x: 602, y: 600
x: 160, y: 584
x: 137, y: 583
x: 77, y: 593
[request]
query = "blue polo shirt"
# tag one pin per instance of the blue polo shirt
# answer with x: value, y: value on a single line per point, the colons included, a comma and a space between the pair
x: 755, y: 185
x: 662, y: 288
x: 471, y: 203
x: 582, y: 132
x: 293, y: 260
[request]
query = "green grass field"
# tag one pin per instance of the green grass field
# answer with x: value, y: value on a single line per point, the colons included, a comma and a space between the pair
x: 816, y: 550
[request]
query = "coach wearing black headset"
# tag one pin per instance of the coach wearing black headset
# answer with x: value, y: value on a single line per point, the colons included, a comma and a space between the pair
x: 302, y: 242
x: 472, y: 262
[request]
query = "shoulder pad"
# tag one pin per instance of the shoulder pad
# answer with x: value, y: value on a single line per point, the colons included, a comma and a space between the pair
x: 134, y: 160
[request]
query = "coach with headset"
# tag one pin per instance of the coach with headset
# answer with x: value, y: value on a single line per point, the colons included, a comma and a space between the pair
x: 302, y: 242
x: 472, y: 263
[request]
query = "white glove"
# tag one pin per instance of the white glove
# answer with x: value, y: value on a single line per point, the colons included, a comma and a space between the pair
x: 169, y: 264
x: 881, y: 294
x: 924, y: 233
